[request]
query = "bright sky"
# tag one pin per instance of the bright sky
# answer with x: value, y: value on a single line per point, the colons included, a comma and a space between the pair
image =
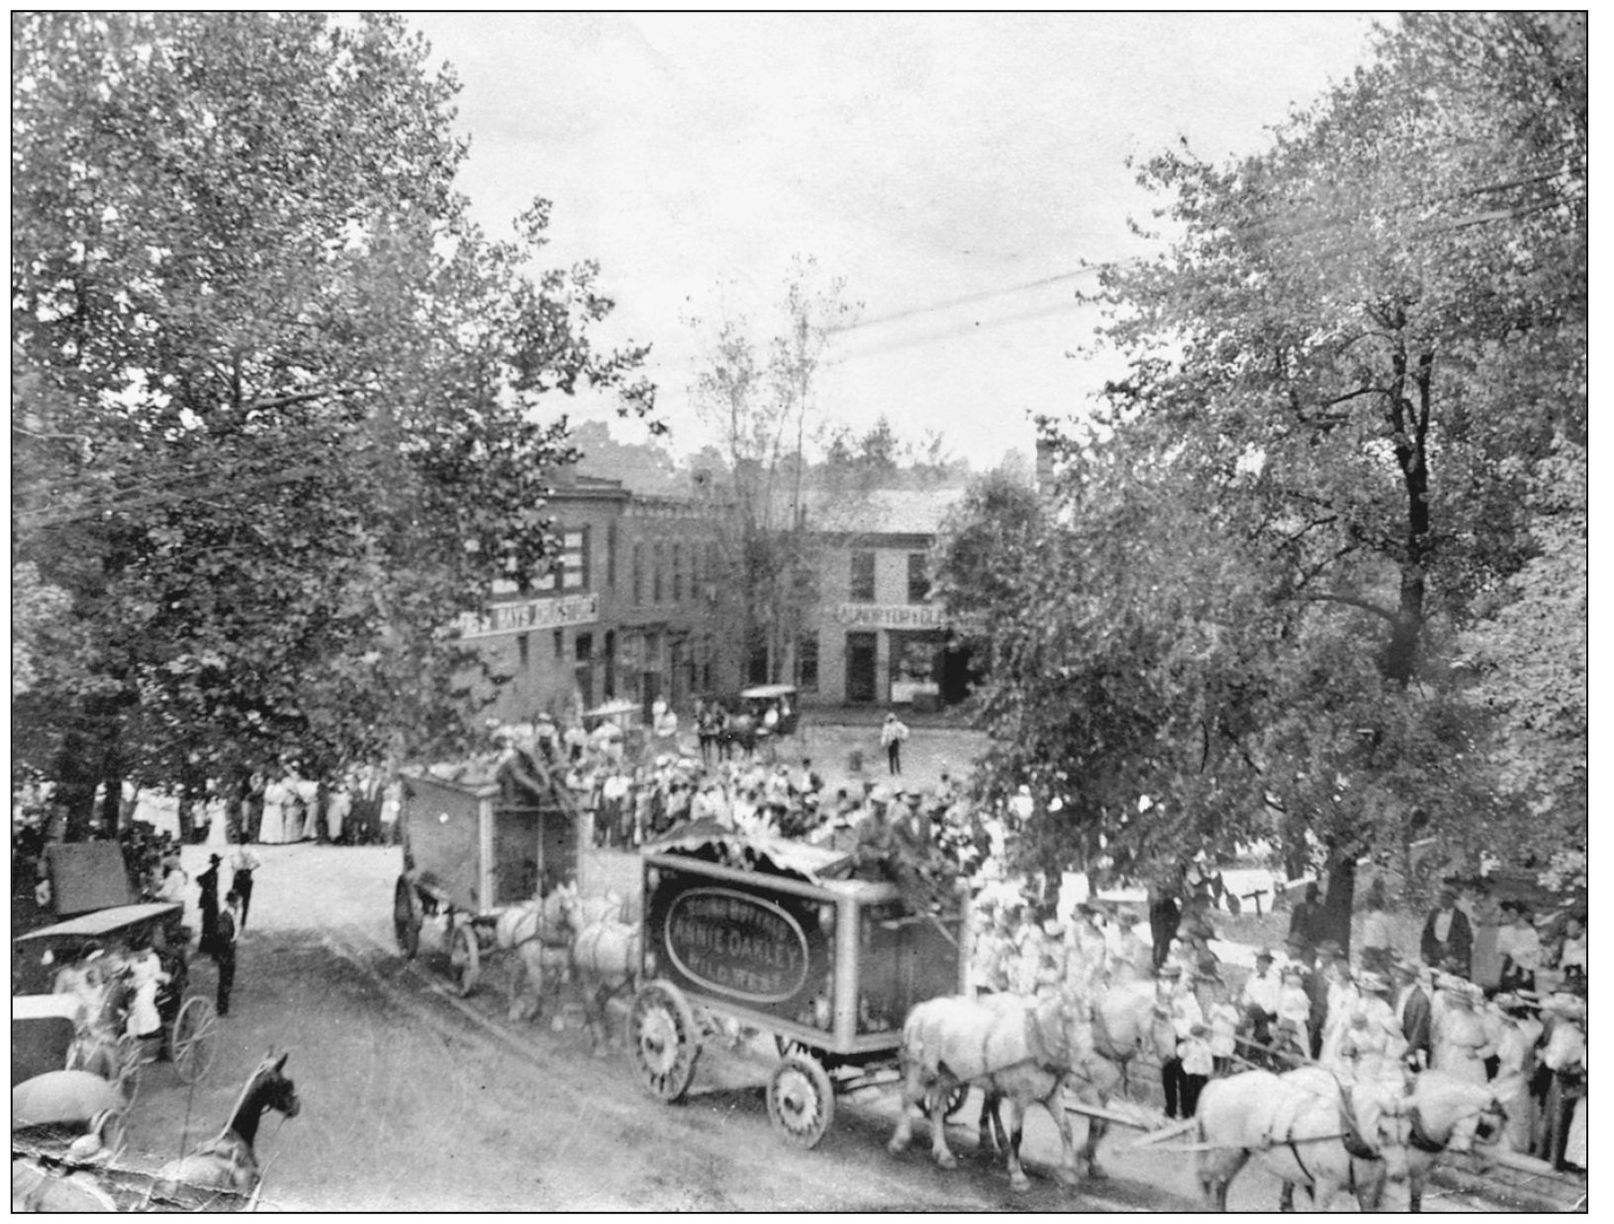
x: 934, y: 161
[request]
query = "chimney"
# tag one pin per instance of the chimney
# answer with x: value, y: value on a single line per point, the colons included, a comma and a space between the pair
x: 1045, y: 467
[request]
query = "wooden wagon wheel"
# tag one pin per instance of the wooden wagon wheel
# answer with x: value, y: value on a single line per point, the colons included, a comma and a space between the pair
x: 191, y: 1039
x: 406, y: 919
x: 464, y: 957
x: 666, y: 1042
x: 801, y: 1100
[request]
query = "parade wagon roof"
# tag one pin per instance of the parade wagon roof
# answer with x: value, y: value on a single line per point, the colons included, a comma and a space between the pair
x: 713, y: 842
x: 104, y: 922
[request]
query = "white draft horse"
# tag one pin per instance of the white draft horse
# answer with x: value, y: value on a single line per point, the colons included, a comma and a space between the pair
x: 1306, y: 1128
x: 1123, y: 1022
x: 604, y: 958
x: 539, y: 933
x: 1017, y: 1051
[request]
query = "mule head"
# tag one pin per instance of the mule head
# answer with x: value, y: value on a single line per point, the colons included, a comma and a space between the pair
x: 272, y: 1089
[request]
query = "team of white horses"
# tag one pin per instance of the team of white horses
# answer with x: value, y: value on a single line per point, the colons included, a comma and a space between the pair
x: 1309, y: 1128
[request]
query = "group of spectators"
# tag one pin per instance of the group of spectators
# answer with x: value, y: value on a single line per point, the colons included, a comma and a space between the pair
x: 1475, y: 1002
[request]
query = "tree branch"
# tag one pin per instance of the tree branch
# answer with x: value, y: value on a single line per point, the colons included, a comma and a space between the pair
x: 301, y: 397
x: 1350, y: 601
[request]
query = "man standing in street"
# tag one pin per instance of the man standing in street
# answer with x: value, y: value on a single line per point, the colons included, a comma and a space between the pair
x: 245, y: 863
x: 224, y: 950
x: 891, y: 736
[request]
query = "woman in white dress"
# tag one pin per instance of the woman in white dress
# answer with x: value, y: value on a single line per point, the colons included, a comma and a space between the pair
x: 1343, y: 1002
x: 276, y: 794
x: 146, y: 976
x: 1461, y: 1043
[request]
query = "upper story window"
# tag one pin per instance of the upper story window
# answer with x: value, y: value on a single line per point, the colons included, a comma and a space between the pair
x: 659, y: 553
x: 638, y: 572
x: 678, y: 573
x: 918, y: 578
x: 610, y: 556
x: 570, y: 570
x: 862, y: 577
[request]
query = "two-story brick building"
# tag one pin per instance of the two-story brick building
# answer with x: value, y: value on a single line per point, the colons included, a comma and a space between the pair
x: 875, y: 637
x: 628, y: 612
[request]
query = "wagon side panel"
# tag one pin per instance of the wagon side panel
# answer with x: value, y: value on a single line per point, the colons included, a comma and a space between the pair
x: 442, y: 831
x: 747, y: 945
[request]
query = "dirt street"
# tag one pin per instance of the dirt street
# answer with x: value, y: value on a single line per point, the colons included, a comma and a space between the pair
x: 415, y: 1099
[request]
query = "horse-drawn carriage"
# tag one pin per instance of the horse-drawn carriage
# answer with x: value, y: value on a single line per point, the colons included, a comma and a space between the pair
x: 477, y: 841
x: 769, y: 935
x: 49, y: 1031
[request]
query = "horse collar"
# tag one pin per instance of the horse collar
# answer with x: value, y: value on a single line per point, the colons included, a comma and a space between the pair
x: 1355, y: 1142
x: 1420, y: 1136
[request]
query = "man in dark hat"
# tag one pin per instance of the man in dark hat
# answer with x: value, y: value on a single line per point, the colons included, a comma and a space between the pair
x: 1307, y: 915
x: 224, y: 950
x: 1447, y: 935
x: 208, y: 903
x: 1412, y: 1013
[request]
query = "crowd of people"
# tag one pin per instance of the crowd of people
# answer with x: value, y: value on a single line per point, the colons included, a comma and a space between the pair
x: 1309, y: 1004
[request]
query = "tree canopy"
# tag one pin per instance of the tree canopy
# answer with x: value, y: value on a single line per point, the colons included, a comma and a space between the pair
x: 281, y: 411
x: 1356, y: 388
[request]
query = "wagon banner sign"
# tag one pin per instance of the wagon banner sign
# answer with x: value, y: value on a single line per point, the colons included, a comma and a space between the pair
x: 737, y: 944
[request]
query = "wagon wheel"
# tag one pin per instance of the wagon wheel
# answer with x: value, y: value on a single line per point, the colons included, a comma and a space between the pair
x: 955, y: 1101
x: 665, y: 1041
x: 801, y: 1100
x: 191, y: 1039
x: 464, y: 957
x: 406, y: 918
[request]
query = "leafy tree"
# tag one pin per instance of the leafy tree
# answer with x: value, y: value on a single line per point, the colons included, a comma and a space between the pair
x: 280, y: 417
x: 759, y: 398
x: 1348, y: 368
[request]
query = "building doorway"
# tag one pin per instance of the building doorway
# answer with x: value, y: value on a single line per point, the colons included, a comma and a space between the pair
x: 862, y: 654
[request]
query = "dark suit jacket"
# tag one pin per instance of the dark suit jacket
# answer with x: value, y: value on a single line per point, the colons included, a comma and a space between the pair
x: 1415, y: 1025
x: 1459, y: 945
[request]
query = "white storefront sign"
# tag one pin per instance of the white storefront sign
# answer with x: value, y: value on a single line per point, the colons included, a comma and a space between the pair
x: 903, y: 616
x: 532, y: 614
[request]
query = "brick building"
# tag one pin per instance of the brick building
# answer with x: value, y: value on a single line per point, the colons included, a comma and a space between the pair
x: 629, y: 612
x: 875, y: 637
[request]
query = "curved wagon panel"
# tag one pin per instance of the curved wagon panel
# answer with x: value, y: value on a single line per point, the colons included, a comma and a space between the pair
x: 769, y: 935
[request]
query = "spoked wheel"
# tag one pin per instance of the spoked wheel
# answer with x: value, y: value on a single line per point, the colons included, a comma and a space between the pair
x: 405, y: 919
x: 801, y: 1100
x: 464, y: 957
x: 955, y: 1101
x: 192, y: 1041
x: 665, y: 1041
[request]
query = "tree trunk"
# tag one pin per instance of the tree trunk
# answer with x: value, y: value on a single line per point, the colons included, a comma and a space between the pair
x: 1340, y: 900
x: 76, y: 781
x: 112, y: 802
